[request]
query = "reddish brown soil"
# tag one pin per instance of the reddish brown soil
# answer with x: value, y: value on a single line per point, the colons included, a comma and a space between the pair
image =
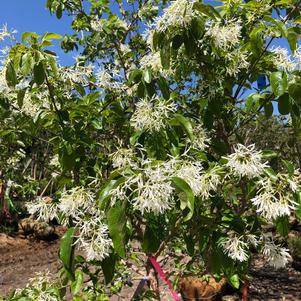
x: 21, y: 258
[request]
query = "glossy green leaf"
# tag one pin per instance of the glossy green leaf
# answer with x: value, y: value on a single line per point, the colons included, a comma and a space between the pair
x: 268, y: 109
x: 186, y: 124
x: 28, y: 34
x: 278, y: 82
x: 108, y: 267
x: 165, y: 55
x: 282, y: 225
x: 284, y: 106
x: 234, y: 281
x: 26, y: 63
x: 293, y: 41
x: 163, y: 85
x: 151, y: 241
x: 20, y: 97
x: 135, y: 76
x: 278, y: 23
x: 294, y: 90
x: 105, y: 192
x: 10, y: 75
x: 117, y: 227
x: 66, y: 252
x: 289, y: 167
x: 147, y: 75
x: 39, y: 73
x: 271, y: 173
x: 184, y: 187
x: 76, y: 285
x: 51, y: 36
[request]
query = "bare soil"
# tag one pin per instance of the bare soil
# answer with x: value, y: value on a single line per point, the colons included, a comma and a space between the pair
x: 21, y: 258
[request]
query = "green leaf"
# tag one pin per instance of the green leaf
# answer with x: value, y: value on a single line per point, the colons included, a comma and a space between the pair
x: 186, y: 124
x: 51, y: 36
x: 289, y: 167
x: 298, y: 200
x: 271, y: 173
x: 163, y: 85
x: 207, y: 10
x: 278, y: 23
x: 165, y: 55
x: 28, y: 34
x: 147, y: 75
x: 66, y: 252
x: 151, y: 241
x: 183, y: 186
x: 294, y: 90
x: 20, y: 97
x: 234, y: 281
x: 278, y: 82
x: 284, y: 106
x: 108, y: 267
x: 268, y: 109
x: 190, y: 244
x: 268, y: 154
x: 177, y: 41
x: 105, y: 192
x: 26, y: 63
x: 117, y: 227
x: 135, y: 76
x: 282, y: 225
x: 78, y: 282
x: 39, y: 73
x: 293, y: 41
x: 10, y: 75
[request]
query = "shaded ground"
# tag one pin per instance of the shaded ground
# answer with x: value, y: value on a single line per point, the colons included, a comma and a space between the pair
x: 21, y: 258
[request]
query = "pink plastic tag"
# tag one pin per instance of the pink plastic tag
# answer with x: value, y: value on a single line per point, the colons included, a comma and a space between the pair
x: 157, y: 267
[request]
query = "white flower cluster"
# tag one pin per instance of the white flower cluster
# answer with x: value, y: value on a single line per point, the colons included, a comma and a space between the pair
x: 153, y: 60
x: 4, y: 89
x: 152, y: 115
x: 123, y: 158
x: 109, y: 79
x: 55, y: 164
x: 149, y: 185
x: 5, y: 33
x: 93, y: 236
x: 179, y: 14
x: 283, y: 60
x: 235, y: 247
x: 44, y: 208
x: 246, y: 161
x: 224, y: 36
x: 32, y: 103
x: 200, y: 138
x: 274, y: 198
x: 154, y: 193
x: 76, y: 201
x: 78, y: 204
x: 97, y: 25
x: 276, y: 256
x: 236, y: 61
x: 77, y: 75
x: 191, y: 172
x: 210, y: 182
x: 39, y: 288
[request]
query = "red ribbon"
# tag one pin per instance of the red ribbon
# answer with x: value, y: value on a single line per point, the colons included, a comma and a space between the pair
x: 157, y: 267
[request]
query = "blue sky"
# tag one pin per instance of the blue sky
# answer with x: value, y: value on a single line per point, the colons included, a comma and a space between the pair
x: 32, y: 15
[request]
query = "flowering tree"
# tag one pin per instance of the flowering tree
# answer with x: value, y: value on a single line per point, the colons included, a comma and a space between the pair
x: 144, y: 129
